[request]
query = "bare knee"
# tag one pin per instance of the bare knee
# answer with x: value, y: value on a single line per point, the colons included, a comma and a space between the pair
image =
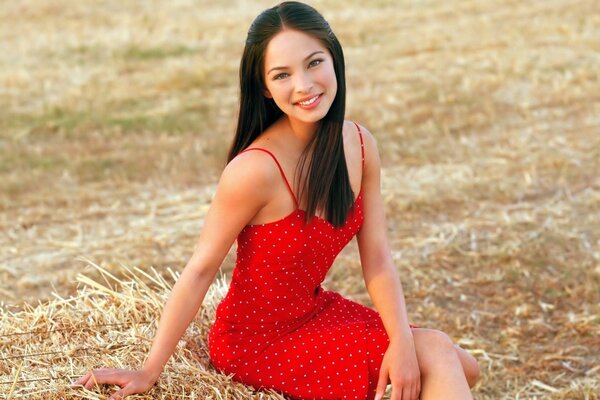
x: 470, y: 366
x: 472, y: 373
x: 435, y: 350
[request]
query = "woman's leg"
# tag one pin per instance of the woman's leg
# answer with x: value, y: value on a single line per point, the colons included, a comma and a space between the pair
x: 442, y: 374
x: 469, y: 364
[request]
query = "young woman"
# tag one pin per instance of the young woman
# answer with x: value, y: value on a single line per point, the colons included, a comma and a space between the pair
x: 278, y: 327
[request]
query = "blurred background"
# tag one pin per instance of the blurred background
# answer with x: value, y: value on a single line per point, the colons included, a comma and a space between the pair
x: 116, y: 116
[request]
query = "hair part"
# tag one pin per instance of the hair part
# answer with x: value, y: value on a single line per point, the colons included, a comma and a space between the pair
x: 327, y: 182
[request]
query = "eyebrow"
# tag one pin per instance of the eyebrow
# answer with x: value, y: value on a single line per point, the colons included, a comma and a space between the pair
x: 309, y: 56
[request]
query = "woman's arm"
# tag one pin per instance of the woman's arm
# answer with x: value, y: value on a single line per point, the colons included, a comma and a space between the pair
x: 381, y: 278
x: 237, y: 199
x: 242, y: 191
x: 399, y: 364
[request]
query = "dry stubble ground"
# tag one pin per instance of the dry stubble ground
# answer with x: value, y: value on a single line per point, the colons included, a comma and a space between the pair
x: 114, y: 123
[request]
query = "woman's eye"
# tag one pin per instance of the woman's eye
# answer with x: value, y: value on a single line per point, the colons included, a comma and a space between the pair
x: 316, y: 62
x: 313, y: 63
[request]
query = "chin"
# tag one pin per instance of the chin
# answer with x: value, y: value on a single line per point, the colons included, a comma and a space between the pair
x: 309, y: 120
x: 311, y: 117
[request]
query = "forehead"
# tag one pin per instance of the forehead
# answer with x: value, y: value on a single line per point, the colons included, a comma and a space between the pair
x: 289, y: 47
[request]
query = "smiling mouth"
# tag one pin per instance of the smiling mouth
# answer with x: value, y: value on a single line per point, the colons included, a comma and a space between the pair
x: 309, y: 101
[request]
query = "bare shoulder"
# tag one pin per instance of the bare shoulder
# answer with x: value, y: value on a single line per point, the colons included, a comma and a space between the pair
x: 369, y: 141
x: 249, y: 175
x: 350, y: 129
x: 366, y: 133
x: 243, y: 189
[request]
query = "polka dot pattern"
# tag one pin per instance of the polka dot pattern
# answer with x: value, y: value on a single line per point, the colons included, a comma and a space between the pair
x: 277, y: 328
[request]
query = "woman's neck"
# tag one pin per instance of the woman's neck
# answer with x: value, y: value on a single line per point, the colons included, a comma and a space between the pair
x: 302, y: 132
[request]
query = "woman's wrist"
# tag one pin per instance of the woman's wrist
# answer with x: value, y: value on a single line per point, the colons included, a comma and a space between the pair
x: 152, y: 372
x: 402, y: 336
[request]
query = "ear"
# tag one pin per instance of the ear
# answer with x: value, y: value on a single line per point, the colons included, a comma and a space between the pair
x: 268, y: 94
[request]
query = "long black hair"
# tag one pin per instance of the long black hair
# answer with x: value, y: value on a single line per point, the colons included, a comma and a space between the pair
x: 328, y: 184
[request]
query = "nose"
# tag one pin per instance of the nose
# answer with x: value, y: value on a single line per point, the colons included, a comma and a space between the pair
x: 303, y: 82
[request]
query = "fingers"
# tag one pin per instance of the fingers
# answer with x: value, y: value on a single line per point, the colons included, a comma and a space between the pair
x: 98, y: 377
x: 408, y: 391
x: 130, y: 388
x: 121, y: 394
x: 131, y: 382
x: 417, y: 391
x: 381, y: 384
x: 81, y: 380
x: 92, y: 380
x: 87, y: 381
x: 118, y: 395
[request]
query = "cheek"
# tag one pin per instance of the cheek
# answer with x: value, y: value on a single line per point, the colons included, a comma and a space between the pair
x: 327, y: 75
x: 281, y: 95
x: 330, y: 79
x: 279, y: 91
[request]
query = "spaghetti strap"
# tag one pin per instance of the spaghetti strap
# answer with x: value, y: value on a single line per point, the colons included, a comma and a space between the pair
x: 362, y: 145
x: 280, y: 170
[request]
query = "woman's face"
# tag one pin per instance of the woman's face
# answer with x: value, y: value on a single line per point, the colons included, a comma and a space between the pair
x: 299, y: 75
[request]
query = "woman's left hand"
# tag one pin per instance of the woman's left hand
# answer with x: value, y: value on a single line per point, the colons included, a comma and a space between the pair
x: 401, y: 366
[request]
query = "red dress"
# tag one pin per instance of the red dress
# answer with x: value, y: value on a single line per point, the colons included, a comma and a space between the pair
x: 277, y: 328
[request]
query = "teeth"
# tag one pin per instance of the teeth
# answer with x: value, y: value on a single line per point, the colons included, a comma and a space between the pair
x: 305, y: 103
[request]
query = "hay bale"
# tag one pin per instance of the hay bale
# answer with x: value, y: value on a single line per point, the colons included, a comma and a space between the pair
x: 110, y: 324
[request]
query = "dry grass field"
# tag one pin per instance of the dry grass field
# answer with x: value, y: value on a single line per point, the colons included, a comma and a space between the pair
x: 115, y: 118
